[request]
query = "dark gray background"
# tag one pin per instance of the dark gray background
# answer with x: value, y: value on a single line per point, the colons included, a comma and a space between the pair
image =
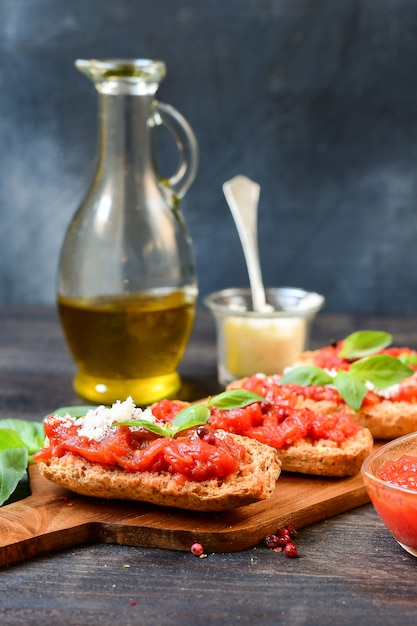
x: 314, y: 99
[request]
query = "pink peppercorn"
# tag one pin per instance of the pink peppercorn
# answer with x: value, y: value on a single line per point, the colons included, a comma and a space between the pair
x: 197, y: 549
x: 290, y: 550
x: 271, y: 541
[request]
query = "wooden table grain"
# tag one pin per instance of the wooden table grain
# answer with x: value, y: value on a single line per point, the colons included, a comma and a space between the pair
x: 349, y: 569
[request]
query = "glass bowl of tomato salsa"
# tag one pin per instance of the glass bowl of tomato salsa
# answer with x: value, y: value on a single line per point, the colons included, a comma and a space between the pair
x: 390, y: 477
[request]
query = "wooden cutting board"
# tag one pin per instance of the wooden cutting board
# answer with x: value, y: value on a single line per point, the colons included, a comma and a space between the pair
x: 52, y: 518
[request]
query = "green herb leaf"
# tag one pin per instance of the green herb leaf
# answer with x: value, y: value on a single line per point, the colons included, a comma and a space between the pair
x: 31, y: 434
x: 193, y: 415
x: 19, y: 440
x: 408, y: 358
x: 158, y: 429
x: 237, y: 398
x: 363, y: 343
x: 13, y: 465
x: 351, y: 389
x: 190, y: 416
x: 9, y: 438
x: 381, y: 370
x: 307, y: 375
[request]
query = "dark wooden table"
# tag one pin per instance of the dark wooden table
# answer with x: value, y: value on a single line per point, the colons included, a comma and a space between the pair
x: 349, y: 569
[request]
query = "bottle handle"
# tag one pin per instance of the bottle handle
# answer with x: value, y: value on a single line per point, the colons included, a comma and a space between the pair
x: 187, y: 148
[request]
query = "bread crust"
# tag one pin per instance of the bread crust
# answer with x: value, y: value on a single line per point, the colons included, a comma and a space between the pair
x: 305, y: 359
x: 254, y: 482
x: 388, y: 420
x: 326, y: 458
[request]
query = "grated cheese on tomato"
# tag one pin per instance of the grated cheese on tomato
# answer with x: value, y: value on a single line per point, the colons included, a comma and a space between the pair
x: 96, y: 422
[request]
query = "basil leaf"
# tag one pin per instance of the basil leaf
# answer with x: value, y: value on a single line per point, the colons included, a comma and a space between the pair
x: 73, y: 411
x: 363, y: 343
x: 192, y: 415
x: 351, y: 389
x: 307, y: 375
x: 9, y: 438
x: 236, y: 399
x: 19, y: 440
x: 13, y: 464
x: 31, y: 434
x: 408, y: 358
x: 158, y: 429
x: 381, y: 370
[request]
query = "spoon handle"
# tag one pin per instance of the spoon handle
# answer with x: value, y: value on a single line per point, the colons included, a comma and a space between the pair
x: 242, y: 195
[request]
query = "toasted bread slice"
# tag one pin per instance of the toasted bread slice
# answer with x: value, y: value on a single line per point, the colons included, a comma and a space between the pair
x: 305, y: 358
x: 326, y: 458
x: 387, y: 419
x: 323, y: 456
x: 255, y: 481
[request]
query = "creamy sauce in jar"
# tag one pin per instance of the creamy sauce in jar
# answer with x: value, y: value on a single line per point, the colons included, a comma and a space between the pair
x: 262, y: 345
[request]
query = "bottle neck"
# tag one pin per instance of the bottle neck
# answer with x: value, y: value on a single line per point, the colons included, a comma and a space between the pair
x: 125, y: 134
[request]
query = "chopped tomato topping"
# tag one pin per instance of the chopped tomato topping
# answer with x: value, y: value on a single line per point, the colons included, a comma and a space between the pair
x: 166, y: 410
x: 336, y: 427
x: 401, y: 472
x: 269, y: 388
x: 141, y: 450
x: 287, y: 395
x: 328, y: 358
x: 240, y: 419
x: 371, y: 399
x: 406, y: 393
x: 315, y: 392
x: 396, y: 352
x: 200, y: 460
x: 284, y: 433
x: 281, y: 427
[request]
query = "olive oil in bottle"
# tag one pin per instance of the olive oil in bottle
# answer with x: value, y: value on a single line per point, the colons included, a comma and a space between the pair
x: 128, y: 345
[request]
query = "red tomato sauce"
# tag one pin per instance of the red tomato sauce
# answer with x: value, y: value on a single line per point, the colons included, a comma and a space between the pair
x: 187, y: 455
x: 398, y: 510
x: 406, y: 393
x: 396, y: 352
x: 166, y: 410
x: 275, y: 425
x: 287, y: 395
x: 401, y: 472
x: 283, y: 428
x: 270, y: 388
x: 316, y: 392
x: 328, y: 358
